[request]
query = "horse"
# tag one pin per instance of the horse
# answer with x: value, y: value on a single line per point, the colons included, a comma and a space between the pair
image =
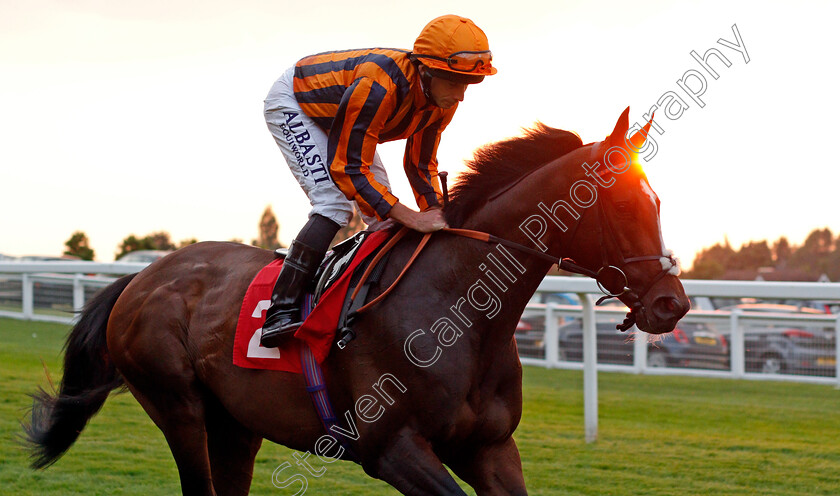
x: 433, y: 378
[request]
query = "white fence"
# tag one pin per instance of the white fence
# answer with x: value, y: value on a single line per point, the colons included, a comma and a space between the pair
x: 737, y: 326
x: 52, y: 291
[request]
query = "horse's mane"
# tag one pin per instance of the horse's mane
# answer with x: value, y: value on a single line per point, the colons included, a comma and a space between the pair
x: 497, y: 165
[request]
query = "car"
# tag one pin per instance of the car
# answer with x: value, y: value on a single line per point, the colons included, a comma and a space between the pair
x: 530, y: 329
x: 826, y: 306
x: 690, y: 344
x: 530, y: 336
x: 143, y: 256
x: 559, y: 298
x: 695, y: 345
x: 48, y: 258
x: 785, y: 349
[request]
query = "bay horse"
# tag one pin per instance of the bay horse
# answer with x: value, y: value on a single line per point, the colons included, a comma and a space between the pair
x: 433, y: 378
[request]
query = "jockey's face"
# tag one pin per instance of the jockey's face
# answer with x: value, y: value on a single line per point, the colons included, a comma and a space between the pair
x: 445, y: 93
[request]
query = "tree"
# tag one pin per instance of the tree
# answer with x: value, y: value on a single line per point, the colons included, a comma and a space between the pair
x: 781, y: 252
x: 130, y: 244
x: 819, y: 254
x: 159, y: 240
x: 187, y: 242
x: 813, y: 257
x: 79, y: 246
x: 752, y: 256
x: 712, y: 263
x: 269, y: 229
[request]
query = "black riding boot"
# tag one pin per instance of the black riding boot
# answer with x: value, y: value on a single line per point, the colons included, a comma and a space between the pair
x: 305, y: 254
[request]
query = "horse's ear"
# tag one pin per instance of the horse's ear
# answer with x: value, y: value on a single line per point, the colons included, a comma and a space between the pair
x: 616, y: 138
x: 635, y: 142
x: 637, y: 139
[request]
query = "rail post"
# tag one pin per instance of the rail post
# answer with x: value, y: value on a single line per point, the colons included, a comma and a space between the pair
x: 27, y: 296
x: 552, y: 346
x: 590, y: 369
x: 640, y: 341
x: 736, y: 344
x: 837, y: 351
x: 78, y: 293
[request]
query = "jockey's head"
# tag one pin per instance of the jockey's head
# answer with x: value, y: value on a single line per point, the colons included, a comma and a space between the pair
x: 451, y: 52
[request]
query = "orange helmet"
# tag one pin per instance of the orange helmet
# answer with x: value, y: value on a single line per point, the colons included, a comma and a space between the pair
x: 453, y: 47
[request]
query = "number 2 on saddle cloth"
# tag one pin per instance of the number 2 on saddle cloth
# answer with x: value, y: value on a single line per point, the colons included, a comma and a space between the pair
x: 340, y: 272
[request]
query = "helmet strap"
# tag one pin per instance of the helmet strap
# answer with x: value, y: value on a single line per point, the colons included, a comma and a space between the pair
x: 425, y: 79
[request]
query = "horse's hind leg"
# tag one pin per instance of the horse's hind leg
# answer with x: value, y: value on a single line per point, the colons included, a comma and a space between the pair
x: 232, y: 449
x: 147, y: 342
x: 180, y: 416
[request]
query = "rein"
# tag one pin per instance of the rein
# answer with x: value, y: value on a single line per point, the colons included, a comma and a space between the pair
x: 566, y: 264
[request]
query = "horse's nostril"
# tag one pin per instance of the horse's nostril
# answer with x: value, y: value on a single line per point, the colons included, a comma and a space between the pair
x: 668, y: 307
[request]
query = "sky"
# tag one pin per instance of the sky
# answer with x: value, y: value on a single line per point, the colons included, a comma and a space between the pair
x: 121, y: 118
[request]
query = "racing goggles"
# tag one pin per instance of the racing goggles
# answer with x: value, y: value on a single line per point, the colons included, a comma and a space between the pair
x: 466, y: 61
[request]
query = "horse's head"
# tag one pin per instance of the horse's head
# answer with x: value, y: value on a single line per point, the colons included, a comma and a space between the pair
x: 618, y: 234
x: 591, y: 203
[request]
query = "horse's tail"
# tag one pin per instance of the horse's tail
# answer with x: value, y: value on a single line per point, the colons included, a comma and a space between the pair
x: 89, y: 377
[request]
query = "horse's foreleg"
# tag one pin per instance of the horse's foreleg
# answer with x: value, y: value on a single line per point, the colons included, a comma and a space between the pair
x: 410, y: 465
x: 232, y: 450
x: 492, y: 470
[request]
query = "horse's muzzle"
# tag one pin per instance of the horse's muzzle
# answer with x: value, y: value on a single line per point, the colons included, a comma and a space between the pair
x: 668, y: 308
x: 661, y: 315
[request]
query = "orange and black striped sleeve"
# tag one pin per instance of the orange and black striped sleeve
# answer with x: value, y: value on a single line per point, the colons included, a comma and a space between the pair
x: 420, y: 162
x: 354, y: 134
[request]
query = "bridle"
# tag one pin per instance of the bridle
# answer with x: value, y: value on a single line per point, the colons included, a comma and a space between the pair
x: 608, y: 271
x: 601, y: 273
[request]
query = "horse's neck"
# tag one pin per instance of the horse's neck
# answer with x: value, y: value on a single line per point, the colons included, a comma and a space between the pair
x: 514, y: 214
x: 512, y: 274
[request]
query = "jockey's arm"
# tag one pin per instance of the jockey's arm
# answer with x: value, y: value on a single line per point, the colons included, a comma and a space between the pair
x: 428, y: 221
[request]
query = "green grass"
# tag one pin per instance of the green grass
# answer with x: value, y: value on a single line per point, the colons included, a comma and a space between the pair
x: 658, y: 436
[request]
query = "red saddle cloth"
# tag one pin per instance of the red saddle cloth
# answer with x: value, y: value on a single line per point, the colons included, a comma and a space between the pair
x: 317, y: 331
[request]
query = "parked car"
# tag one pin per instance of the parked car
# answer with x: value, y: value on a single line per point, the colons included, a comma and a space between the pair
x: 531, y: 326
x: 825, y: 306
x: 530, y: 336
x: 689, y: 345
x: 143, y: 256
x: 783, y: 349
x: 559, y: 298
x: 48, y: 258
x: 694, y: 345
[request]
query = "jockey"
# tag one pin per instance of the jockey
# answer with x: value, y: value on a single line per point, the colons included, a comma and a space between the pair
x: 328, y: 113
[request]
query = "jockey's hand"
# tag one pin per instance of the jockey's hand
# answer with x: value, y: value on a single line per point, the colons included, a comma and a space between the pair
x: 428, y: 221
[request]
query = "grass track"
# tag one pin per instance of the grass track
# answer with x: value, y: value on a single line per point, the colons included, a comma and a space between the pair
x: 658, y: 436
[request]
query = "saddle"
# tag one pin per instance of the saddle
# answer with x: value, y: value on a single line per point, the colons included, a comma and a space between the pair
x: 334, y: 265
